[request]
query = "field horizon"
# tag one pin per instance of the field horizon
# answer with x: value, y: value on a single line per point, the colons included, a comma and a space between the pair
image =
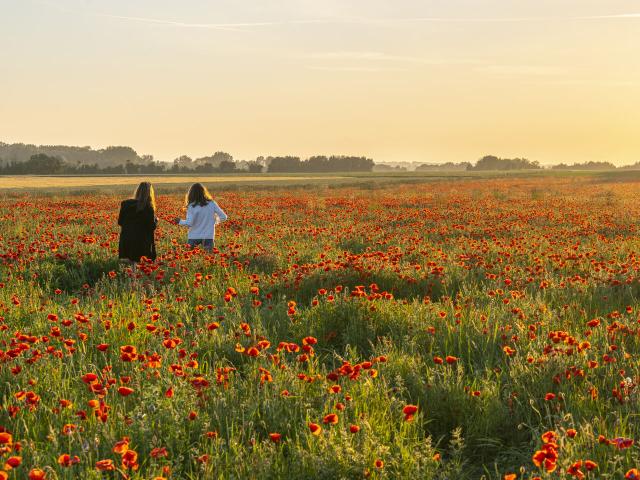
x: 67, y: 183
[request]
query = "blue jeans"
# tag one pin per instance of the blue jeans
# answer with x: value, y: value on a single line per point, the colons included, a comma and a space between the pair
x: 206, y: 243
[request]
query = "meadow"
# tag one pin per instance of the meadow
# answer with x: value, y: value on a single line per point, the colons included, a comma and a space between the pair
x: 450, y: 329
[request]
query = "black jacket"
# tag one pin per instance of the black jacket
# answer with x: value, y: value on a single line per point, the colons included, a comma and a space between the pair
x: 136, y: 236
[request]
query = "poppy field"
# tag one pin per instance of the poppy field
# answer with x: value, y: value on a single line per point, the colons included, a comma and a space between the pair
x: 447, y: 330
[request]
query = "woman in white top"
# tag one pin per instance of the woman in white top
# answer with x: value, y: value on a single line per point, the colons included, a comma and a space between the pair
x: 203, y: 213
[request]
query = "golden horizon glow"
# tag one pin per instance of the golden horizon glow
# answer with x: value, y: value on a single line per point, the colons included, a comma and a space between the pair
x: 419, y: 80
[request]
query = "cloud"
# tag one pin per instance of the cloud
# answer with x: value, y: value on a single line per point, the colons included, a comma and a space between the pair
x: 620, y: 16
x: 333, y: 68
x: 529, y: 70
x: 385, y: 57
x: 240, y: 26
x: 212, y: 26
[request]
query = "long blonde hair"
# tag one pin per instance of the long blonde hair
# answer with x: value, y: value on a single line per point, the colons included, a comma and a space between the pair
x: 145, y: 196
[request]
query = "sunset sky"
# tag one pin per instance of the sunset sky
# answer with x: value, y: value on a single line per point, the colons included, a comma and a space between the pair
x: 414, y: 80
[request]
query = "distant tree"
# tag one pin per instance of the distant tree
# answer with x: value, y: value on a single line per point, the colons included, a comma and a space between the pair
x: 227, y: 166
x: 183, y: 161
x: 382, y: 167
x: 41, y: 164
x: 426, y: 167
x: 72, y: 156
x: 205, y: 168
x: 586, y: 166
x: 320, y: 163
x: 491, y: 162
x: 120, y: 155
x: 132, y: 168
x: 216, y: 159
x: 635, y: 166
x: 254, y: 167
x: 284, y: 164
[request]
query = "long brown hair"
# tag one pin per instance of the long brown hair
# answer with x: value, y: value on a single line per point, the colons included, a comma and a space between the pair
x: 198, y: 195
x: 145, y: 196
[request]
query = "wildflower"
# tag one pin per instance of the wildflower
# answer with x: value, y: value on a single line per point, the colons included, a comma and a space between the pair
x: 37, y: 474
x: 409, y: 412
x: 13, y: 462
x: 130, y: 460
x: 105, y: 465
x: 66, y: 460
x: 121, y: 446
x: 6, y: 438
x: 315, y: 429
x: 510, y: 352
x: 330, y: 419
x: 633, y: 474
x: 125, y: 391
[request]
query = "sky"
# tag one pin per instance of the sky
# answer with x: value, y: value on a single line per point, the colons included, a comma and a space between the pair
x: 403, y: 80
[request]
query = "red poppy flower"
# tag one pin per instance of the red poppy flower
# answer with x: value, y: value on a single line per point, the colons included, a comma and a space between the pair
x: 66, y: 460
x: 125, y: 391
x: 315, y: 429
x: 6, y: 438
x: 13, y: 462
x: 130, y: 459
x: 105, y: 465
x: 121, y: 446
x: 37, y: 474
x: 590, y: 465
x: 409, y: 412
x: 330, y: 419
x: 89, y: 378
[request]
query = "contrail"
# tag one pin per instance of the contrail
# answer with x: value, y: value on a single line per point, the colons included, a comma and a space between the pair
x: 610, y: 17
x: 241, y: 26
x: 365, y: 21
x: 213, y: 26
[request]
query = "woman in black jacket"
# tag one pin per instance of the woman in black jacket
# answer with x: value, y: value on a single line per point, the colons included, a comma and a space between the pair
x: 138, y: 221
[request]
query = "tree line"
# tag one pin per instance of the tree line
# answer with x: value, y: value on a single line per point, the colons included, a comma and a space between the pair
x: 320, y: 164
x: 105, y: 157
x: 42, y: 164
x: 21, y: 159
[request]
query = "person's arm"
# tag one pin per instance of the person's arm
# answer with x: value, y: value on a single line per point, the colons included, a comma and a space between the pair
x: 121, y: 214
x: 219, y: 213
x: 151, y: 219
x: 188, y: 221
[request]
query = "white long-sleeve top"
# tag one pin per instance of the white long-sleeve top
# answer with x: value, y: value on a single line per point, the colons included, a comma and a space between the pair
x: 202, y: 220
